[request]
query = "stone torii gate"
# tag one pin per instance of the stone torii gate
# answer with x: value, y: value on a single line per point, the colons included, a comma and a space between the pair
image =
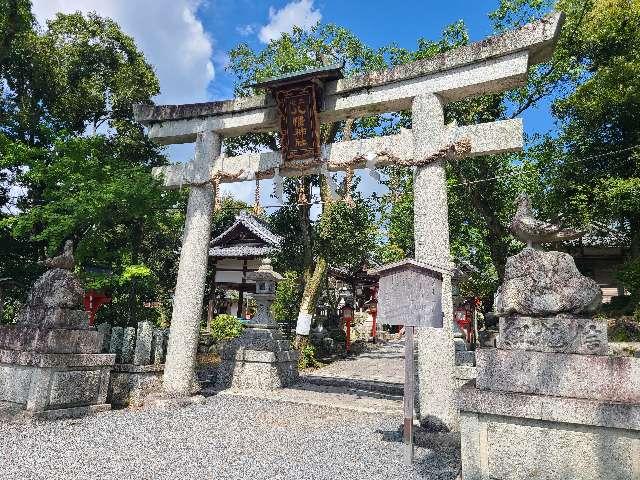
x: 491, y: 66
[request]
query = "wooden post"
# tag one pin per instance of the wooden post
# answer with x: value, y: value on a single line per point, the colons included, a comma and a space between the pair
x: 210, y: 315
x: 409, y: 389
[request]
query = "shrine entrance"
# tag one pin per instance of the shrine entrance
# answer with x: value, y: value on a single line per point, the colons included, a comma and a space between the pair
x: 296, y: 106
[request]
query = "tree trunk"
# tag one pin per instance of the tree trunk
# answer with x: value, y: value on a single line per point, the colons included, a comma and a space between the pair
x: 315, y: 276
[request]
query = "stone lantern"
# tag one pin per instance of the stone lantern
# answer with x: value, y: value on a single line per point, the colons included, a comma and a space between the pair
x: 261, y: 358
x: 266, y: 280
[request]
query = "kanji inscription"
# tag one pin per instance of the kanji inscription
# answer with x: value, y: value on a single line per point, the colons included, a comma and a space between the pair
x: 299, y: 127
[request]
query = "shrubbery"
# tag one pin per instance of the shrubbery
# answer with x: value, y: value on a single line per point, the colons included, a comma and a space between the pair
x: 226, y: 327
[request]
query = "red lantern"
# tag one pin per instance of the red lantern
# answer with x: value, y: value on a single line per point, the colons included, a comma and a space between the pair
x: 347, y: 317
x: 92, y: 302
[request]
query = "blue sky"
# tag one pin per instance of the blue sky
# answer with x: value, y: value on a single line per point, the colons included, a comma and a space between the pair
x: 187, y: 41
x: 377, y: 23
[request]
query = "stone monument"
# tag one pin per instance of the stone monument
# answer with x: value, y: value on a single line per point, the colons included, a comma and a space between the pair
x: 50, y: 360
x: 549, y: 402
x: 261, y: 358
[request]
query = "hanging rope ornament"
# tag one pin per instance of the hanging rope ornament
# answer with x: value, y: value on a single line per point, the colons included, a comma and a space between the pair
x: 257, y: 209
x: 348, y: 182
x: 278, y: 184
x: 217, y: 203
x: 302, y: 195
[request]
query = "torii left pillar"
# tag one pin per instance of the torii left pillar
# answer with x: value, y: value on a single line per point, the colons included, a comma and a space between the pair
x: 179, y: 371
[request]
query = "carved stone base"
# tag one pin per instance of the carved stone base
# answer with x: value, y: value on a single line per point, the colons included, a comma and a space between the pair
x: 260, y: 359
x: 514, y: 436
x: 39, y: 383
x: 564, y: 334
x: 597, y: 377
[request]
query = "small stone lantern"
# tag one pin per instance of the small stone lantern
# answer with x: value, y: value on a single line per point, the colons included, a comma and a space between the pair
x: 261, y: 358
x: 266, y: 279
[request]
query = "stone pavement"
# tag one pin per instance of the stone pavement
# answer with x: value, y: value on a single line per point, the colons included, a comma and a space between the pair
x: 383, y: 363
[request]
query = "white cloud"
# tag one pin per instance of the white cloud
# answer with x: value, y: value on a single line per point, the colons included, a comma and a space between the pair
x: 167, y: 31
x: 301, y: 14
x: 245, y: 30
x: 221, y: 59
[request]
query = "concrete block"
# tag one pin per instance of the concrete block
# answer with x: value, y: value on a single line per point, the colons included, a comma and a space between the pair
x: 575, y: 411
x: 15, y: 381
x: 28, y: 338
x: 74, y: 387
x: 65, y: 413
x: 130, y: 388
x: 517, y: 436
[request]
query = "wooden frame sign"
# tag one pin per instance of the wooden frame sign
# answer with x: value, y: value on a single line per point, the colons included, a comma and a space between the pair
x: 299, y: 124
x: 298, y: 98
x: 410, y: 294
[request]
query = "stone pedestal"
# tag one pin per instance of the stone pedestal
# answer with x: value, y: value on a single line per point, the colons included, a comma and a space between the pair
x: 54, y: 372
x: 261, y: 358
x: 548, y: 405
x: 51, y: 364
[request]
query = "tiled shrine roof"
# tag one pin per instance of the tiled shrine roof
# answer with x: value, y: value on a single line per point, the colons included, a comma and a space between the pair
x: 249, y: 236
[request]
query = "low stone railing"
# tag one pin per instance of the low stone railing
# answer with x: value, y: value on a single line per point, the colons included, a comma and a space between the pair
x: 140, y: 354
x: 144, y: 345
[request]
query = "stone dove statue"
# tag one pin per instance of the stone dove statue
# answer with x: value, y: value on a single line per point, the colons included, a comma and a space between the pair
x: 533, y: 231
x: 64, y: 261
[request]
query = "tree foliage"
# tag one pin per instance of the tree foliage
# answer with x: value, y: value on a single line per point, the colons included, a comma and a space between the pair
x: 76, y: 165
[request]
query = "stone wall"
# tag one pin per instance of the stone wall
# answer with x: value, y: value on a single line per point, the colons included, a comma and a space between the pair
x: 140, y: 354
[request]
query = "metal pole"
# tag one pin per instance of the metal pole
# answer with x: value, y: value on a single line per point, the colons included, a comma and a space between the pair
x: 409, y: 389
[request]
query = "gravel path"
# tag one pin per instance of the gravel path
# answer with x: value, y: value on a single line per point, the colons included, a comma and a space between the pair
x: 225, y: 438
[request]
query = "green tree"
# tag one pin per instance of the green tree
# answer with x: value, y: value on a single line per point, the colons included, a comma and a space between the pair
x: 294, y: 52
x: 597, y: 106
x: 69, y: 142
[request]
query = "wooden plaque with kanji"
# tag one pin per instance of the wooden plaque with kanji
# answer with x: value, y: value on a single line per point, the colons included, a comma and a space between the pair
x: 299, y: 126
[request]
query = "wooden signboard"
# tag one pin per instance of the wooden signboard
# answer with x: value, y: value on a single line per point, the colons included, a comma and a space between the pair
x: 409, y: 294
x: 299, y: 125
x: 298, y: 97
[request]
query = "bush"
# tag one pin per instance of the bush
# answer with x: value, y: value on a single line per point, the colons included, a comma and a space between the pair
x: 629, y: 275
x: 226, y: 327
x: 308, y: 358
x: 287, y: 302
x: 625, y: 329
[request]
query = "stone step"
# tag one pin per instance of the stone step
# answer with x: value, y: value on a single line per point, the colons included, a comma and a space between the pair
x: 387, y: 388
x: 327, y: 396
